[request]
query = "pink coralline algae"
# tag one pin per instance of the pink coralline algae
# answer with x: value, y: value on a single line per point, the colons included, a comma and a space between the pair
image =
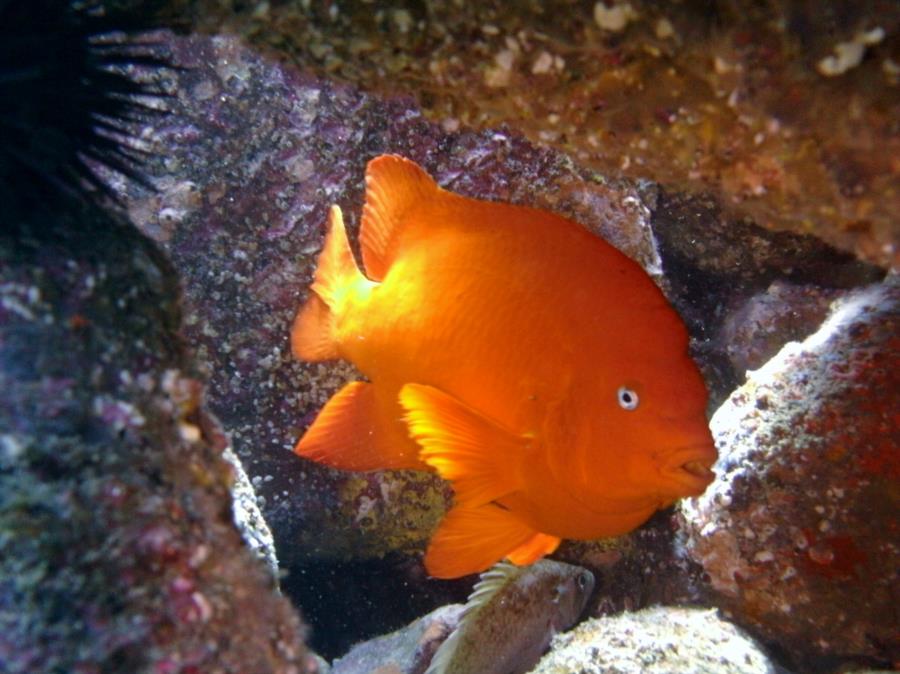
x: 798, y: 535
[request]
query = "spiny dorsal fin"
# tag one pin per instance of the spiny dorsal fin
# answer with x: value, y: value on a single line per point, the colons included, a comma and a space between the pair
x: 394, y: 186
x: 489, y: 584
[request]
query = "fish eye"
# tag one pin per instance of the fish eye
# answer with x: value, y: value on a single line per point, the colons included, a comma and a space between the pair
x: 582, y: 581
x: 628, y: 398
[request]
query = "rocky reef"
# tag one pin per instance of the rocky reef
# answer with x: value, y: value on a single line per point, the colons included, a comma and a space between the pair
x: 244, y: 186
x: 131, y: 359
x: 784, y: 110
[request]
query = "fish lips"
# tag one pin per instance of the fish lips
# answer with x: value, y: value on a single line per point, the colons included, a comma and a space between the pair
x: 689, y: 469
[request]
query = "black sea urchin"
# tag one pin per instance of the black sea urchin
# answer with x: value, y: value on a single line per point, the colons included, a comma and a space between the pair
x: 67, y: 104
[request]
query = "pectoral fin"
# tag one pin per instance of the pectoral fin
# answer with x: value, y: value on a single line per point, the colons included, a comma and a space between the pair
x: 478, y: 456
x: 470, y: 539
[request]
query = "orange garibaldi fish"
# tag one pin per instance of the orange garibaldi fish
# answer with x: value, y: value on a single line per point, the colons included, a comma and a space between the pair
x: 524, y: 359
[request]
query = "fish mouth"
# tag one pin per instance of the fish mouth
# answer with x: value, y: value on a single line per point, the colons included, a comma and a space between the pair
x: 689, y: 470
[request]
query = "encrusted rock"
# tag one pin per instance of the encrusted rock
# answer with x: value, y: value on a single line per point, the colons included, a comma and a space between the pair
x: 762, y: 324
x: 798, y: 532
x: 657, y: 640
x: 117, y: 547
x: 247, y: 516
x: 721, y: 271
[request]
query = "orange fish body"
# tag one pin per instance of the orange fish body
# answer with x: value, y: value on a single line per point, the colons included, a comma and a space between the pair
x: 521, y: 357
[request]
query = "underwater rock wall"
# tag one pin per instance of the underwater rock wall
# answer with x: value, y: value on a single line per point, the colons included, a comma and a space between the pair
x: 256, y: 152
x: 785, y: 109
x: 118, y: 551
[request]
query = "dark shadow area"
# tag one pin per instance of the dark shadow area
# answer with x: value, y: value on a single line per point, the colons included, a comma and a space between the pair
x: 348, y: 602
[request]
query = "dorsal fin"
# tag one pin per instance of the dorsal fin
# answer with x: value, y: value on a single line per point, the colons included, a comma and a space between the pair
x: 394, y: 186
x: 489, y: 584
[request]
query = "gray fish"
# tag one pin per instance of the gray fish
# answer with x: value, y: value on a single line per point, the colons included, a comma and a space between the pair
x: 510, y: 617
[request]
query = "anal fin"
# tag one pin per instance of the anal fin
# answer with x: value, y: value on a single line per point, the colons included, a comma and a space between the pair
x: 533, y: 549
x: 470, y: 539
x: 350, y: 433
x: 340, y: 435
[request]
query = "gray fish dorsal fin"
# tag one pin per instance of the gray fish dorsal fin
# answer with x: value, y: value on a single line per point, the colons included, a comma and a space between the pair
x: 489, y: 584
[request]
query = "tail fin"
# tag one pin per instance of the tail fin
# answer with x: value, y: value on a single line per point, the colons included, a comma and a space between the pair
x: 312, y: 335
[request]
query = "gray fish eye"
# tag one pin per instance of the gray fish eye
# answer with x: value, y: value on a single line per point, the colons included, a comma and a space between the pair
x: 628, y: 399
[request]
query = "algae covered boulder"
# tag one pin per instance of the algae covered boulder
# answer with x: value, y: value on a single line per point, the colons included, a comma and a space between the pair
x: 656, y: 640
x: 118, y: 550
x: 795, y: 536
